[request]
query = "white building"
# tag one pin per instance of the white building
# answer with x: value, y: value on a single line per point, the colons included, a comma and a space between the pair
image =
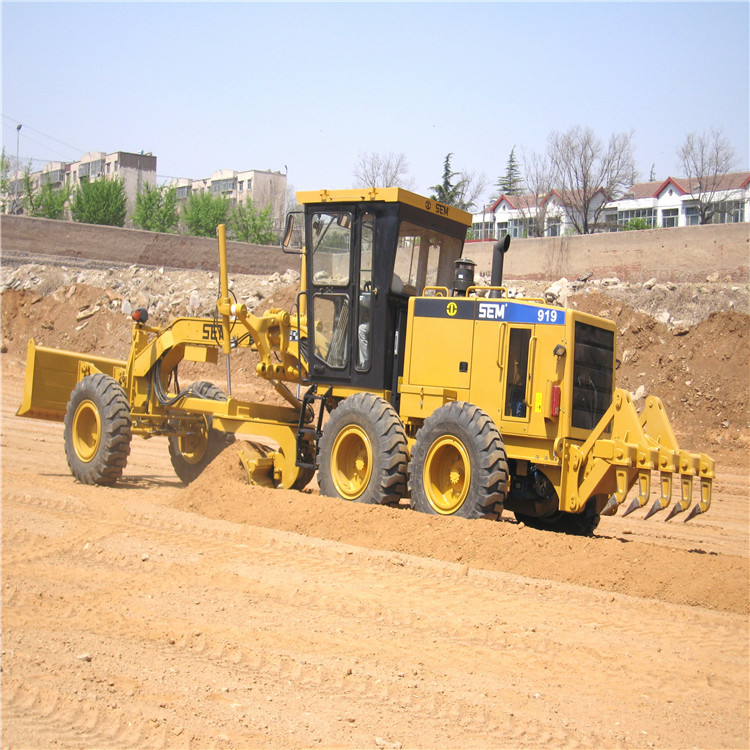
x: 528, y: 216
x: 135, y: 170
x: 262, y: 187
x: 674, y: 202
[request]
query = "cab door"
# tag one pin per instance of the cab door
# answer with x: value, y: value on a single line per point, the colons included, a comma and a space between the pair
x: 518, y: 375
x: 331, y: 292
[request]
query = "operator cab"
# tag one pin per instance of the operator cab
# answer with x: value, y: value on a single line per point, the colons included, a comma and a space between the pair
x: 367, y: 252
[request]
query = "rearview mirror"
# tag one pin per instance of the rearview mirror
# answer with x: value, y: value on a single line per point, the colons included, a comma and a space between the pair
x: 288, y: 229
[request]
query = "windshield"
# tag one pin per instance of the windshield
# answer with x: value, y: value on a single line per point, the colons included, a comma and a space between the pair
x: 424, y: 257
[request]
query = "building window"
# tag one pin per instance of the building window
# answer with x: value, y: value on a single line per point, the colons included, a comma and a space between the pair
x: 728, y: 212
x: 223, y: 186
x: 484, y: 230
x: 523, y: 227
x: 241, y: 185
x: 669, y: 217
x: 692, y: 216
x: 182, y: 192
x: 649, y: 214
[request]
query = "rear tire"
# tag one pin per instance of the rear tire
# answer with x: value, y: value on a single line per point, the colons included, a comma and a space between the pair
x: 97, y: 430
x: 576, y: 524
x: 303, y: 479
x: 190, y: 454
x: 363, y: 452
x: 458, y: 465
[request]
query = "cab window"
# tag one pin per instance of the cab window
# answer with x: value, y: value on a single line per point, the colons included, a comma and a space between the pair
x: 331, y: 247
x: 423, y: 257
x: 364, y: 315
x: 517, y: 373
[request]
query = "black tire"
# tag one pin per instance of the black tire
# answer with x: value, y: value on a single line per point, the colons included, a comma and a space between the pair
x: 190, y: 454
x: 97, y: 430
x: 363, y: 452
x: 459, y: 440
x: 303, y: 479
x: 576, y: 524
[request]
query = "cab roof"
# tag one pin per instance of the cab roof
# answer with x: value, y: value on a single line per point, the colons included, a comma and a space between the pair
x: 386, y: 195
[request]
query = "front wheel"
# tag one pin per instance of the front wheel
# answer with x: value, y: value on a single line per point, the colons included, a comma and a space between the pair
x: 459, y: 465
x: 97, y: 430
x: 363, y: 452
x: 192, y: 451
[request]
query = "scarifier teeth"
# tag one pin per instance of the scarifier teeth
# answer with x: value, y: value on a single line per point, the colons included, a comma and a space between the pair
x: 633, y: 506
x: 696, y: 510
x: 655, y: 508
x: 677, y: 508
x: 610, y: 509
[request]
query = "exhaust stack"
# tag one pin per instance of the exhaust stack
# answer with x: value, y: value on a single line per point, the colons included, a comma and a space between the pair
x: 498, y: 257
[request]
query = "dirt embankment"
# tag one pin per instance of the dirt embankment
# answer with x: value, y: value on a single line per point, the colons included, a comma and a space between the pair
x: 699, y: 369
x: 223, y: 615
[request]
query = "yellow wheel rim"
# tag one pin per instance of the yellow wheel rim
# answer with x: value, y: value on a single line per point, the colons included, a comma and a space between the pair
x: 351, y: 462
x: 193, y: 446
x: 87, y: 430
x: 447, y: 474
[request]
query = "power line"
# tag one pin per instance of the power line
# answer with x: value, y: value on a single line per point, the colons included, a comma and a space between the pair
x: 45, y: 146
x: 45, y: 135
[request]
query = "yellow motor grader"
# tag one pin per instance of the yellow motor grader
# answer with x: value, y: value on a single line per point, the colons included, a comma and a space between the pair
x: 404, y: 379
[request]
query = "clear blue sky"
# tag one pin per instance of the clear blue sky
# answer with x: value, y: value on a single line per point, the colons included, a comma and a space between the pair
x: 310, y: 86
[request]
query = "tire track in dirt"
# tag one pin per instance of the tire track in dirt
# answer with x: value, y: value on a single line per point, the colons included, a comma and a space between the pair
x: 289, y: 583
x: 217, y: 631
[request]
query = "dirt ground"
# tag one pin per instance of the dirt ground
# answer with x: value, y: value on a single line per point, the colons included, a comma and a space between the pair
x: 221, y: 615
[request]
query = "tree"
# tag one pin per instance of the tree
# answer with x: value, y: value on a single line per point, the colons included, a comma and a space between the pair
x: 447, y: 192
x: 250, y: 224
x: 9, y: 187
x: 204, y: 212
x: 4, y: 181
x: 511, y: 182
x: 100, y: 202
x: 156, y: 208
x: 382, y: 170
x: 588, y: 175
x: 46, y: 202
x: 464, y: 193
x: 637, y: 225
x: 706, y: 159
x: 534, y: 205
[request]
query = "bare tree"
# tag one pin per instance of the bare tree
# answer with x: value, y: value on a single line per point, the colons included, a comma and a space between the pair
x: 534, y: 205
x: 587, y: 175
x: 470, y: 188
x: 706, y: 159
x: 382, y: 170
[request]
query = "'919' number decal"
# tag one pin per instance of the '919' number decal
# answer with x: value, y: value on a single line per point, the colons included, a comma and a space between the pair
x: 546, y: 316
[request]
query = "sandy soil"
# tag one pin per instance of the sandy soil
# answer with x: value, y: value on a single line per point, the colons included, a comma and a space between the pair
x: 220, y: 615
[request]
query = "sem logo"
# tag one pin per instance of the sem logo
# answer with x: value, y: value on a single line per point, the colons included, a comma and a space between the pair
x: 451, y: 309
x: 490, y: 311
